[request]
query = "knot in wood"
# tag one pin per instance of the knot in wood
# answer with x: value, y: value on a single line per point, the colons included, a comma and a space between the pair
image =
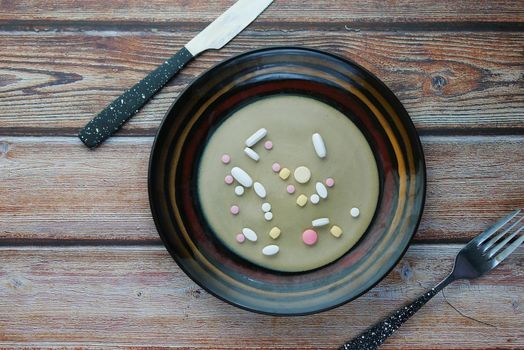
x: 438, y: 82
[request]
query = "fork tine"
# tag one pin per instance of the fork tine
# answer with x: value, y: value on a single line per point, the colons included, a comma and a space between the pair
x: 494, y: 240
x: 510, y: 249
x: 504, y: 242
x: 490, y: 231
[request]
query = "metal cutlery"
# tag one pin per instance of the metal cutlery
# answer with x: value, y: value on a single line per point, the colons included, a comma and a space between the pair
x: 214, y: 36
x: 479, y: 256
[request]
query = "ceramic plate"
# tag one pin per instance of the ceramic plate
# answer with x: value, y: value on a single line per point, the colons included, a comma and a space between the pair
x: 211, y: 98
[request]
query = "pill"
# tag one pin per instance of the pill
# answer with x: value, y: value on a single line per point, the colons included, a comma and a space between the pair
x: 249, y: 234
x: 239, y: 190
x: 226, y: 158
x: 228, y: 179
x: 268, y: 216
x: 330, y: 182
x: 266, y: 207
x: 275, y: 167
x: 336, y: 231
x: 259, y: 189
x: 321, y: 190
x: 268, y: 145
x: 290, y: 189
x: 240, y: 238
x: 270, y: 250
x: 251, y: 154
x: 302, y: 174
x: 234, y: 209
x: 309, y: 237
x: 257, y: 136
x: 274, y: 232
x: 301, y: 200
x: 242, y: 177
x: 355, y: 212
x: 314, y: 198
x: 320, y: 222
x: 319, y: 145
x: 284, y: 173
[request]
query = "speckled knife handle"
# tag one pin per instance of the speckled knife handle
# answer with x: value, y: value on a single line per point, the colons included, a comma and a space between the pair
x: 124, y: 107
x: 373, y: 337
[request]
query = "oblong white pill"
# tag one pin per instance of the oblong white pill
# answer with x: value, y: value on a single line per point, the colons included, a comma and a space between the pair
x: 242, y: 177
x: 239, y: 190
x: 314, y: 198
x: 257, y: 136
x: 270, y: 250
x: 266, y: 207
x: 319, y: 145
x: 249, y: 234
x: 355, y: 212
x: 260, y: 190
x: 320, y: 222
x: 268, y: 216
x: 251, y: 154
x: 321, y: 190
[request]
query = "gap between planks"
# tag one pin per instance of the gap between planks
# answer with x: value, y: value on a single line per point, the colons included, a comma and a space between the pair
x: 146, y: 133
x: 129, y: 26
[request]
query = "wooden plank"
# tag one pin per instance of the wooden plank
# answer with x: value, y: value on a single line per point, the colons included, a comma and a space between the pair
x: 53, y: 83
x: 54, y: 189
x: 137, y: 296
x: 281, y: 13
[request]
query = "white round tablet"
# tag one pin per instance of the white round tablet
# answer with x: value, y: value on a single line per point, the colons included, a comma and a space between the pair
x: 266, y: 207
x: 302, y: 174
x: 239, y: 190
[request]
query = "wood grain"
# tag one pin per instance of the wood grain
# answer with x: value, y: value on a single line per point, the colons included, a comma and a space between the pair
x: 53, y: 83
x: 137, y: 296
x: 280, y: 14
x: 56, y: 191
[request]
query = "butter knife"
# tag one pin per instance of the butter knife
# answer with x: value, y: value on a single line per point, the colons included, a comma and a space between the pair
x: 214, y: 36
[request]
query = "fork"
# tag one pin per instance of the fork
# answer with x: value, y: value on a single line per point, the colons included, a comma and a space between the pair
x: 482, y: 254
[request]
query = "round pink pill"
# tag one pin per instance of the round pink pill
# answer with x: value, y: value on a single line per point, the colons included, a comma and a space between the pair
x: 228, y: 179
x: 290, y: 189
x: 226, y: 158
x: 268, y: 145
x: 234, y: 209
x: 241, y: 238
x: 330, y: 182
x: 275, y: 167
x: 309, y: 237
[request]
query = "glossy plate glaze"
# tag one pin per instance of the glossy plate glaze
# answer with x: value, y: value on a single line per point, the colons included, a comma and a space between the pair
x: 239, y: 81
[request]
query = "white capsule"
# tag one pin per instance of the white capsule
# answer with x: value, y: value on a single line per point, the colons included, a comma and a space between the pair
x: 257, y: 136
x: 249, y: 234
x: 354, y: 212
x: 242, y: 177
x: 268, y: 216
x: 314, y: 198
x: 320, y: 146
x: 321, y: 190
x: 270, y: 250
x: 266, y: 207
x: 259, y: 189
x: 251, y: 154
x: 239, y: 190
x: 320, y: 222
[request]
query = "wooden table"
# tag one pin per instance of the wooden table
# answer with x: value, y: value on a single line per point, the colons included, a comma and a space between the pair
x: 80, y: 261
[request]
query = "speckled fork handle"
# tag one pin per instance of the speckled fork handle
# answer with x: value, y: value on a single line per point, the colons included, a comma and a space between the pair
x: 373, y: 337
x: 124, y: 107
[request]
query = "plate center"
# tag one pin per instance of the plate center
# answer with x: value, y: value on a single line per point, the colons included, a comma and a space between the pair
x: 305, y: 207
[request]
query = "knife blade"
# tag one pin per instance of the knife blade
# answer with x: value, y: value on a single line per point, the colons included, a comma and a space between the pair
x: 214, y: 36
